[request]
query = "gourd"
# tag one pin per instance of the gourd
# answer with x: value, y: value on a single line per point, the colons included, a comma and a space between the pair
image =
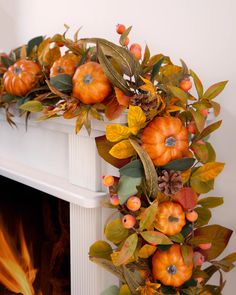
x: 65, y: 65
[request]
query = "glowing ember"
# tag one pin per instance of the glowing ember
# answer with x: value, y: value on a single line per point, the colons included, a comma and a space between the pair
x: 17, y: 272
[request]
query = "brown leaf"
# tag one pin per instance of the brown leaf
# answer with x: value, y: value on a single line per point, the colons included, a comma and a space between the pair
x: 186, y: 197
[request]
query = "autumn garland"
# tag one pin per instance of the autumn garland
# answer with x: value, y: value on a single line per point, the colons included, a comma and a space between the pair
x: 161, y: 237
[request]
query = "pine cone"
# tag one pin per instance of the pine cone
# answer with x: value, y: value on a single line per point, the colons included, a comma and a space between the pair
x: 170, y: 182
x: 146, y: 103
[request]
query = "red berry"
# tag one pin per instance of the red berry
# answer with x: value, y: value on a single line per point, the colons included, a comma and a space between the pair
x: 133, y: 203
x: 192, y: 216
x: 135, y: 46
x: 198, y: 259
x: 128, y: 221
x: 114, y: 200
x: 204, y: 112
x: 192, y: 128
x: 59, y: 44
x: 126, y: 42
x: 185, y: 85
x: 205, y: 246
x: 120, y: 29
x: 108, y: 180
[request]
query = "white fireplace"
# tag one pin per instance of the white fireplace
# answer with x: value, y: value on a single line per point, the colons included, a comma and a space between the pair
x: 50, y: 157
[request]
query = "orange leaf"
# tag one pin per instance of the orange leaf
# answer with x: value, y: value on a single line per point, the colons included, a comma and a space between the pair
x: 121, y: 97
x: 186, y: 197
x: 113, y: 109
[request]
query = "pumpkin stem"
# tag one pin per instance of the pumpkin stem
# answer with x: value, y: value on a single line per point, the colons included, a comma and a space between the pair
x: 17, y: 70
x: 172, y: 269
x: 170, y: 141
x: 173, y: 219
x: 88, y: 79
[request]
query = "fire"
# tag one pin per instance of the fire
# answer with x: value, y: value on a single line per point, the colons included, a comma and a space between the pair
x: 17, y: 272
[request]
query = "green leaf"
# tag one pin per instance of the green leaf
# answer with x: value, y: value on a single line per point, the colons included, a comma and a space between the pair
x: 214, y: 90
x: 201, y: 187
x: 113, y: 290
x: 133, y: 279
x: 6, y: 61
x: 187, y: 253
x: 156, y: 69
x: 149, y: 169
x: 209, y: 129
x: 62, y: 82
x: 211, y: 202
x: 199, y: 119
x: 156, y: 238
x: 100, y: 249
x: 204, y: 216
x: 133, y: 169
x: 217, y: 235
x: 7, y: 98
x: 115, y: 231
x: 125, y: 35
x: 179, y: 238
x: 179, y: 164
x: 146, y: 56
x: 197, y: 83
x: 200, y: 151
x: 103, y: 147
x: 148, y: 216
x: 127, y: 249
x: 34, y: 42
x: 146, y: 251
x: 127, y: 187
x: 115, y: 78
x: 33, y: 106
x: 179, y: 93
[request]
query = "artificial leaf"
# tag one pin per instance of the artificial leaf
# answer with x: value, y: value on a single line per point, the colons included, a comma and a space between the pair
x: 209, y: 129
x: 34, y: 43
x: 208, y: 171
x: 33, y: 106
x: 100, y: 249
x: 125, y: 35
x: 80, y: 120
x: 214, y: 90
x: 178, y: 238
x: 122, y: 150
x: 103, y: 147
x: 200, y: 151
x: 46, y: 54
x: 149, y: 169
x: 115, y: 231
x: 147, y: 217
x: 156, y: 69
x: 201, y: 187
x: 122, y: 98
x: 146, y: 251
x: 179, y: 164
x: 62, y: 82
x: 216, y: 107
x: 133, y: 169
x: 117, y: 132
x: 127, y: 249
x: 124, y: 290
x: 186, y: 197
x: 133, y: 279
x: 204, y: 216
x: 146, y: 55
x: 187, y: 254
x: 113, y: 290
x: 211, y: 202
x: 8, y: 98
x: 156, y: 238
x: 148, y: 86
x: 217, y: 235
x: 113, y: 109
x: 127, y: 187
x: 185, y: 175
x: 199, y: 119
x: 136, y: 119
x: 179, y: 93
x: 197, y: 83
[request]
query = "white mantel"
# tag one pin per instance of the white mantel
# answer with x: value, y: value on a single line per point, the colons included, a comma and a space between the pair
x: 52, y: 158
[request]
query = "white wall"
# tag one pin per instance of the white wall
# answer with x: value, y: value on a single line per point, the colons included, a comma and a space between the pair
x: 201, y: 32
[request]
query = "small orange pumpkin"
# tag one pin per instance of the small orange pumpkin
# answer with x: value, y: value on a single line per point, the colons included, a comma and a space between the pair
x: 169, y: 267
x: 65, y: 65
x: 21, y: 77
x: 165, y: 139
x: 90, y: 84
x: 170, y: 218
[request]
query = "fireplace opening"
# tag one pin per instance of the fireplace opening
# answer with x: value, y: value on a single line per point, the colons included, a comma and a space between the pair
x: 34, y: 241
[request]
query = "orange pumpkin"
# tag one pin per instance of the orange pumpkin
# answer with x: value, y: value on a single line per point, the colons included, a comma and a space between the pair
x: 65, y: 65
x: 90, y: 84
x: 21, y: 77
x: 165, y: 139
x: 169, y: 267
x: 170, y: 218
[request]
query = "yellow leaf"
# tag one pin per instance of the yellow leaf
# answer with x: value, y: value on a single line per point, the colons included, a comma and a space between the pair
x: 122, y: 150
x: 208, y: 171
x: 146, y: 251
x: 174, y: 108
x: 117, y: 132
x: 148, y: 86
x: 136, y: 119
x: 185, y: 175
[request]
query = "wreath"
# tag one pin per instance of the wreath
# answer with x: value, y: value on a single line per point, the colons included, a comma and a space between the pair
x: 159, y: 231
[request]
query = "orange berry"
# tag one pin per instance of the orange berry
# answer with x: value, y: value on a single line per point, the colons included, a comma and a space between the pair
x: 205, y: 246
x: 137, y: 53
x: 199, y: 280
x: 128, y: 221
x: 60, y: 44
x: 192, y: 216
x: 192, y: 128
x: 108, y: 180
x: 204, y: 112
x: 133, y: 203
x: 120, y: 29
x: 200, y: 142
x: 185, y: 85
x: 114, y: 200
x: 198, y: 259
x: 135, y: 46
x: 126, y: 42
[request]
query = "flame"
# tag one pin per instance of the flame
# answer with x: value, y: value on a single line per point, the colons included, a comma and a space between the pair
x: 17, y: 272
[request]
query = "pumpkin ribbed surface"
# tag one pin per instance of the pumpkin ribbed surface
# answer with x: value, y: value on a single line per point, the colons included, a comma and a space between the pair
x: 65, y: 65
